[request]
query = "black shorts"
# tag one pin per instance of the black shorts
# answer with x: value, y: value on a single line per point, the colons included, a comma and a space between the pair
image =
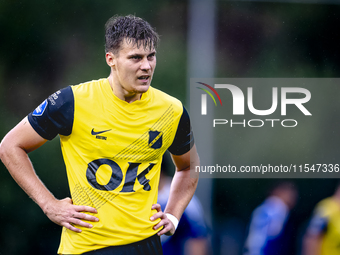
x: 149, y: 246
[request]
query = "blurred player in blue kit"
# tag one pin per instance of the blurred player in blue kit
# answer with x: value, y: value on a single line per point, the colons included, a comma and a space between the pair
x: 267, y: 230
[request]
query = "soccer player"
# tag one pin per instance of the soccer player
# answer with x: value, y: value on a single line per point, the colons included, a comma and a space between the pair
x: 268, y: 232
x: 113, y: 134
x: 323, y: 232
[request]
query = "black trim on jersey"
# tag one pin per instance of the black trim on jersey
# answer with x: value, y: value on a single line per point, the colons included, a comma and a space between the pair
x: 57, y: 117
x: 184, y: 138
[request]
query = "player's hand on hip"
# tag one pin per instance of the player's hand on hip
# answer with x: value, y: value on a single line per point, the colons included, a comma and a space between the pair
x: 65, y: 213
x: 165, y: 225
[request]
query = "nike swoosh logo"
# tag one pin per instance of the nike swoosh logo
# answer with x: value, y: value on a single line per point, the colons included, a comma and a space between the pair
x: 100, y: 132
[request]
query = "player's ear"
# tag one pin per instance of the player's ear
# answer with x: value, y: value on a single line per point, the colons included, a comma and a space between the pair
x: 110, y: 59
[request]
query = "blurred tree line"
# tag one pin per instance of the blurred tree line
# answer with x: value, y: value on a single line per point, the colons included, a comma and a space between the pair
x: 48, y: 45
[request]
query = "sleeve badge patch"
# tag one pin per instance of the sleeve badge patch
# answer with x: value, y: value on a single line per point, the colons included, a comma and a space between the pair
x: 40, y: 109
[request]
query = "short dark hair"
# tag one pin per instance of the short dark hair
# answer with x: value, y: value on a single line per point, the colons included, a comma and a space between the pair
x: 134, y: 29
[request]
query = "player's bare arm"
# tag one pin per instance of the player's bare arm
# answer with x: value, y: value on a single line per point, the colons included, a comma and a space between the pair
x: 312, y: 244
x: 183, y: 187
x: 21, y: 140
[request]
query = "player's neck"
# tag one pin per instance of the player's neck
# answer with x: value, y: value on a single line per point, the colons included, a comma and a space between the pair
x: 121, y: 93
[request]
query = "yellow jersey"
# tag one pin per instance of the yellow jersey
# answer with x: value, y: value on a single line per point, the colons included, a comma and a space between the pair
x: 326, y: 222
x: 113, y: 152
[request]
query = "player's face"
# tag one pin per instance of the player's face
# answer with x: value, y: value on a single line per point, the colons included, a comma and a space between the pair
x: 133, y: 69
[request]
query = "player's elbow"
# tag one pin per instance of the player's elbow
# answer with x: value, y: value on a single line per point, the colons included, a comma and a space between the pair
x: 5, y: 149
x: 2, y: 150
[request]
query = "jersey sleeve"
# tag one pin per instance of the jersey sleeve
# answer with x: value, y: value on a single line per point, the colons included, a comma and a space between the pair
x: 184, y: 138
x: 55, y: 115
x: 318, y: 223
